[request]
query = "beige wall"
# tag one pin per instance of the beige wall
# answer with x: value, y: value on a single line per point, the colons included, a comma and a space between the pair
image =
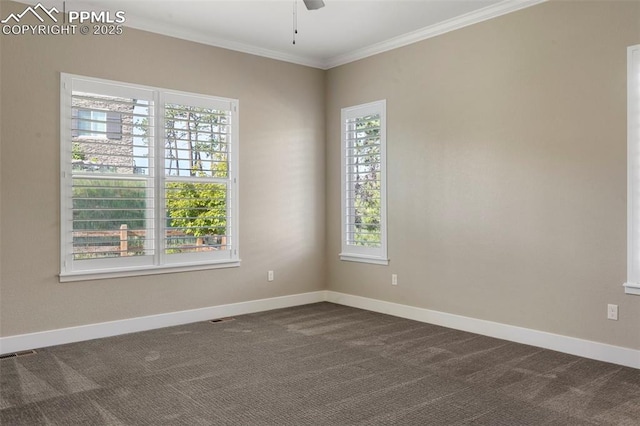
x: 281, y: 176
x: 506, y: 170
x: 507, y: 180
x: 1, y: 125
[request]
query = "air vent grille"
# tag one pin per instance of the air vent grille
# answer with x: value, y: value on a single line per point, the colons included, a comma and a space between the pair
x: 18, y: 354
x: 218, y: 320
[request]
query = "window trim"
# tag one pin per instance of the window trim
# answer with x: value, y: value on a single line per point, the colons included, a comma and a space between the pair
x: 137, y: 267
x: 348, y: 252
x: 632, y: 286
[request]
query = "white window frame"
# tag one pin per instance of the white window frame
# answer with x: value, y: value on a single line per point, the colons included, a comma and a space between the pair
x: 632, y: 286
x: 352, y: 253
x: 159, y: 262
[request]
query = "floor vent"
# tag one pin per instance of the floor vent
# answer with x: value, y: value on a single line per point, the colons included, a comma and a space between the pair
x: 217, y: 320
x: 18, y: 354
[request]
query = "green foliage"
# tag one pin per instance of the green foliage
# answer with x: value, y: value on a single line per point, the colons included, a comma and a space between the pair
x: 77, y: 153
x: 366, y: 203
x: 105, y: 204
x: 197, y: 209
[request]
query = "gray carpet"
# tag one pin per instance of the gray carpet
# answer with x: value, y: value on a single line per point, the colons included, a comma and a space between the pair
x: 319, y: 364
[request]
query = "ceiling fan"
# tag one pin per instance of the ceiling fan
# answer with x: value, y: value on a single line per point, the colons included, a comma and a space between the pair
x: 313, y: 4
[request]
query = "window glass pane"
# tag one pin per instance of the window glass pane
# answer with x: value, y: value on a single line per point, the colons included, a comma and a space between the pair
x: 110, y: 218
x: 197, y: 141
x: 196, y: 217
x: 109, y: 134
x: 363, y: 178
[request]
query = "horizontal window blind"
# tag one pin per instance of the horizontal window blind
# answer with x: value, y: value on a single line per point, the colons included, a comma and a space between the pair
x: 363, y: 177
x: 112, y: 190
x: 363, y: 181
x: 197, y: 185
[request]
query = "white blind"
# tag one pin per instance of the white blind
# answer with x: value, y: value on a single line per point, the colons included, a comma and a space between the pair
x: 198, y: 199
x: 112, y: 190
x: 363, y: 160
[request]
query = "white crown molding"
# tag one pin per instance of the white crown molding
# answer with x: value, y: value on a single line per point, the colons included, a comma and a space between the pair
x: 144, y: 24
x: 150, y: 26
x: 570, y: 345
x: 480, y: 15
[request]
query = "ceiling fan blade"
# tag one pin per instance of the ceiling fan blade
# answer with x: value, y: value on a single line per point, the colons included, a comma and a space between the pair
x: 313, y: 4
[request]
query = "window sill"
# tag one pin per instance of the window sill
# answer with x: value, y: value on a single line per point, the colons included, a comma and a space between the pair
x: 154, y: 270
x: 364, y: 259
x: 90, y: 137
x: 632, y: 288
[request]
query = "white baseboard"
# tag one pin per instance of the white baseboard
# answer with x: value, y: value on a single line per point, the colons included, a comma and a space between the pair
x: 542, y: 339
x: 556, y: 342
x: 61, y: 336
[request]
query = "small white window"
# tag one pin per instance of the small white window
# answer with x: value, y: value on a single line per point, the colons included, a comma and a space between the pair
x: 632, y: 286
x: 364, y: 221
x: 92, y: 123
x: 149, y: 180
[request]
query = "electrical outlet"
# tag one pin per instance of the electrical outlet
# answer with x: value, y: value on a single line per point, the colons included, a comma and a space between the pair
x: 270, y: 276
x: 394, y: 279
x: 612, y: 312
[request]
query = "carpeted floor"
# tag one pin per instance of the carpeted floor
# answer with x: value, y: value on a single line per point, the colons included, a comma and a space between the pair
x: 320, y: 364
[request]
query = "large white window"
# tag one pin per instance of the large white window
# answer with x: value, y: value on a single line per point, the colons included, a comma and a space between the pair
x: 149, y: 180
x: 632, y: 286
x: 364, y: 222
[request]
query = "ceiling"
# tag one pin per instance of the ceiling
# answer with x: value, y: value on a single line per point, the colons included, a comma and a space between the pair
x: 341, y: 32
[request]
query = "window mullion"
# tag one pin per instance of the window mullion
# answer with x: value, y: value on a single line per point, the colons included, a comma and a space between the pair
x: 160, y: 140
